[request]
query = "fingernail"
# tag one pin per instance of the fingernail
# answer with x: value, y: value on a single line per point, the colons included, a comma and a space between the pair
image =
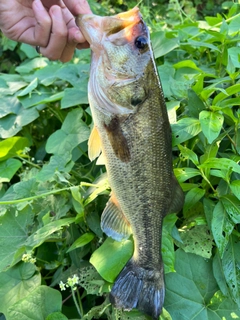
x: 55, y: 11
x: 78, y: 37
x: 38, y: 4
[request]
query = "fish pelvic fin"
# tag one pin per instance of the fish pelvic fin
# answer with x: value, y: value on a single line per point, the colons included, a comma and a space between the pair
x: 113, y: 221
x: 94, y: 144
x: 177, y: 197
x: 139, y: 287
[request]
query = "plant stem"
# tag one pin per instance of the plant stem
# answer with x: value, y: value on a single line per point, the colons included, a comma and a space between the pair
x: 80, y: 303
x: 76, y: 304
x: 34, y: 197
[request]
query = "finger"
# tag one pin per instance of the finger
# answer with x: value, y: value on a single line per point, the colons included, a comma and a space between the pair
x: 58, y: 37
x: 78, y: 6
x: 83, y: 45
x: 42, y: 28
x: 69, y: 49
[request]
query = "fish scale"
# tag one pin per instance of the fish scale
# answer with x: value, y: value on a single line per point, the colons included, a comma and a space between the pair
x: 133, y: 130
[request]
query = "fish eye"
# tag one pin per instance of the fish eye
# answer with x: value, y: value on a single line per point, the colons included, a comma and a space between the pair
x: 141, y: 42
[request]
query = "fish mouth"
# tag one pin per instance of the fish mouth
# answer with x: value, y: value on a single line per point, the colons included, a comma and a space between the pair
x: 95, y: 28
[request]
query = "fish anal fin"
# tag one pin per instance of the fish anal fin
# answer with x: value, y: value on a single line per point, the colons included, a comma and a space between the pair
x: 177, y: 197
x: 113, y: 221
x: 94, y: 144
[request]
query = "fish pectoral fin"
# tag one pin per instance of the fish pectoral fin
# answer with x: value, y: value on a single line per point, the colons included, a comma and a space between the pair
x: 177, y: 197
x: 94, y: 144
x: 113, y: 221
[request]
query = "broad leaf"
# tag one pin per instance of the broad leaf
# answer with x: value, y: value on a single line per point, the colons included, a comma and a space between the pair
x: 184, y: 130
x: 73, y: 132
x: 82, y: 241
x: 192, y: 292
x: 162, y: 45
x: 111, y: 257
x: 222, y: 227
x: 232, y: 206
x: 231, y: 268
x: 17, y: 283
x: 38, y: 305
x: 12, y: 147
x: 14, y: 228
x: 42, y: 234
x: 211, y: 123
x: 8, y: 168
x: 197, y: 240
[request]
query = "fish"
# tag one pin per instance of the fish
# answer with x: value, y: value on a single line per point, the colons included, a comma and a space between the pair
x: 133, y: 135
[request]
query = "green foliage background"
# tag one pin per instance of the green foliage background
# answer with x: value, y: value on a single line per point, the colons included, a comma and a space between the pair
x: 52, y: 196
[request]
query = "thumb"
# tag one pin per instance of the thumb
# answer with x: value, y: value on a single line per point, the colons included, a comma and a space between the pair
x: 78, y: 6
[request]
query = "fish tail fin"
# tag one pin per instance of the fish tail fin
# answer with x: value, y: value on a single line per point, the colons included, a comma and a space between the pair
x: 139, y: 287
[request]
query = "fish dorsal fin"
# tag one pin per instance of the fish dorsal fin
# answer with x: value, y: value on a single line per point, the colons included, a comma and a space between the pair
x: 177, y: 197
x: 113, y: 221
x: 94, y: 144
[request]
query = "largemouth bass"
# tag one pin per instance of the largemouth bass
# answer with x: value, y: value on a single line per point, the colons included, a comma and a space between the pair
x: 133, y: 133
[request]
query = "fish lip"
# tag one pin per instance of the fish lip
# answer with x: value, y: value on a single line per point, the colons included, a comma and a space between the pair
x: 95, y: 28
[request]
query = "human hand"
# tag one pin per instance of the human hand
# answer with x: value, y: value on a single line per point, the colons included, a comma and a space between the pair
x: 49, y: 24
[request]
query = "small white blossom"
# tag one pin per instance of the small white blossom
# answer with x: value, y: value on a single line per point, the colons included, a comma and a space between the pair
x: 27, y: 257
x: 62, y: 286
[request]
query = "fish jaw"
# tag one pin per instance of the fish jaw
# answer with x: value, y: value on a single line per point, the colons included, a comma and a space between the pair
x: 118, y: 66
x: 96, y: 28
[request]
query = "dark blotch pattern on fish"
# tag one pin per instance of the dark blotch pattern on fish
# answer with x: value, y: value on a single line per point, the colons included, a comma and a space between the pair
x: 118, y: 140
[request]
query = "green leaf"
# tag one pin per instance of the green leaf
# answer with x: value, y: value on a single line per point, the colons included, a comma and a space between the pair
x: 192, y: 292
x: 183, y: 174
x: 56, y: 316
x: 162, y: 45
x: 195, y: 104
x: 229, y: 91
x: 235, y: 188
x: 234, y: 53
x: 57, y: 163
x: 197, y: 240
x: 12, y: 147
x: 192, y: 197
x: 231, y: 268
x: 219, y: 274
x: 42, y: 234
x: 184, y: 130
x: 40, y: 97
x: 38, y: 305
x: 31, y: 65
x: 222, y: 227
x: 189, y: 154
x: 202, y: 44
x: 73, y: 132
x: 17, y: 283
x: 16, y: 117
x: 30, y: 51
x: 14, y: 228
x: 73, y: 97
x: 8, y: 169
x: 91, y: 281
x: 186, y: 64
x: 221, y: 164
x: 168, y: 252
x: 111, y: 257
x: 232, y: 207
x: 32, y: 85
x: 82, y: 241
x: 211, y: 123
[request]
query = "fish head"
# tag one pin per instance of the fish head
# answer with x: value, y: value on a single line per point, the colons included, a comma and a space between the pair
x: 121, y: 53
